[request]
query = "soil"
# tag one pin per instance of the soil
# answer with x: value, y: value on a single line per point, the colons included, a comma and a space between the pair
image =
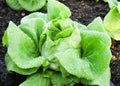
x: 83, y: 11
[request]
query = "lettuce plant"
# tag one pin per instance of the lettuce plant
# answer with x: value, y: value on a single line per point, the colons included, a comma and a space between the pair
x: 29, y: 5
x: 111, y: 20
x: 54, y: 50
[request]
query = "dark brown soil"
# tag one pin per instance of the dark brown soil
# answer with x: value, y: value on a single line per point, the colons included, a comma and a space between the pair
x: 83, y: 11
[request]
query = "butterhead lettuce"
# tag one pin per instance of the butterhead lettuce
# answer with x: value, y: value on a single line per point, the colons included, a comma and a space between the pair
x: 54, y: 50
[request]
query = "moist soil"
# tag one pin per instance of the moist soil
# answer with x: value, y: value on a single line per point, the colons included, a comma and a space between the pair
x: 83, y: 11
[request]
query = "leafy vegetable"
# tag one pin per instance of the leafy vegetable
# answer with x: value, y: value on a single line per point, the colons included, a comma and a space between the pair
x: 54, y: 50
x: 111, y: 23
x: 14, y: 4
x: 111, y: 20
x: 37, y: 79
x: 32, y: 5
x: 29, y: 5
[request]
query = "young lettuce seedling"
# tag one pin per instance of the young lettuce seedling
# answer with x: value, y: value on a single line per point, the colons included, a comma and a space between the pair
x: 54, y: 50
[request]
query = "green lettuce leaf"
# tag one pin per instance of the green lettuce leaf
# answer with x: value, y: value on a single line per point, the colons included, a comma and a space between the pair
x: 34, y: 15
x: 95, y: 48
x: 118, y: 7
x: 32, y: 5
x: 22, y: 49
x: 58, y: 80
x: 57, y: 10
x: 37, y: 79
x: 81, y: 26
x: 14, y: 4
x: 4, y: 39
x: 97, y: 25
x: 102, y: 80
x: 112, y: 23
x: 12, y: 67
x: 112, y: 3
x: 34, y: 29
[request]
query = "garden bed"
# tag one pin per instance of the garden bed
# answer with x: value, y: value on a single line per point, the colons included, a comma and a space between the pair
x: 83, y: 11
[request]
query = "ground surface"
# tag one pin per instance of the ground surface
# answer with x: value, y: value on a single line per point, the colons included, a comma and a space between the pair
x: 83, y: 11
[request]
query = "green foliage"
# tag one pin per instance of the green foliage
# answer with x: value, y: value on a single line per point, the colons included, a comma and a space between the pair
x: 111, y: 20
x: 54, y: 50
x: 112, y: 23
x: 14, y: 4
x: 112, y: 3
x: 37, y: 79
x: 29, y: 5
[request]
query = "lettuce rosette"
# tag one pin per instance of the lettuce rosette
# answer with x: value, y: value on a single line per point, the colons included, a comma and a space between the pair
x: 54, y: 50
